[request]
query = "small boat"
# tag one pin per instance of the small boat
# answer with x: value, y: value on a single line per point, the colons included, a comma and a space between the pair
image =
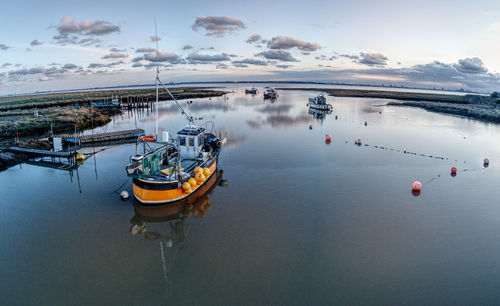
x: 319, y: 102
x: 252, y: 91
x: 270, y: 94
x: 114, y: 103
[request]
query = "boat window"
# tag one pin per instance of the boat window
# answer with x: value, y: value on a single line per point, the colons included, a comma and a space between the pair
x: 200, y: 139
x: 191, y: 141
x: 182, y: 141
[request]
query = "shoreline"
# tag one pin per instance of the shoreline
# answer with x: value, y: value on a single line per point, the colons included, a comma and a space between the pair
x: 477, y: 107
x: 28, y: 116
x: 33, y: 117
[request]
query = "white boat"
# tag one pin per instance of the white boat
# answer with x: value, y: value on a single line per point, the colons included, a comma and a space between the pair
x: 319, y: 102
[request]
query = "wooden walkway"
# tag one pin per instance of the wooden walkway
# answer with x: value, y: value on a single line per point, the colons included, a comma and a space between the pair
x: 103, y: 137
x: 43, y: 152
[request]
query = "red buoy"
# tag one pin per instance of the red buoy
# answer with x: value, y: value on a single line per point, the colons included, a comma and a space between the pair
x: 453, y: 169
x: 486, y: 162
x: 416, y: 186
x: 328, y: 138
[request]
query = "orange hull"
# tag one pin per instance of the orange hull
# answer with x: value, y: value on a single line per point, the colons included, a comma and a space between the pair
x: 152, y: 196
x: 159, y: 213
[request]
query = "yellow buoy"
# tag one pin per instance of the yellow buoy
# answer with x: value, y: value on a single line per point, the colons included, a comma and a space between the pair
x: 186, y: 186
x: 197, y: 170
x: 192, y: 182
x: 206, y: 172
x: 188, y: 191
x: 199, y: 177
x: 80, y: 157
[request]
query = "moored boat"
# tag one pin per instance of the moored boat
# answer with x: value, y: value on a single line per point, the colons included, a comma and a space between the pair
x: 252, y: 91
x: 319, y: 102
x: 270, y: 94
x: 174, y: 169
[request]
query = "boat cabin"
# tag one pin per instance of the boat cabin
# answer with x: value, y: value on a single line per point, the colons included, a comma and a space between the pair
x: 191, y: 140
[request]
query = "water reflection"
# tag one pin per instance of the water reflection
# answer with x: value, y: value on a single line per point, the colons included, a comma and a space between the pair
x: 319, y: 114
x: 174, y: 214
x: 175, y: 223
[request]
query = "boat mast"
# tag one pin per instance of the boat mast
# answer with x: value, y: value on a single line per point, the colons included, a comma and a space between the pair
x: 157, y: 78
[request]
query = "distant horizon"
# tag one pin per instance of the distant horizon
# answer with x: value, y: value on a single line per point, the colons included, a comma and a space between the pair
x: 152, y: 85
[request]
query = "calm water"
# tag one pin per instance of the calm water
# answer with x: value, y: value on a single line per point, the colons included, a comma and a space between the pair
x: 299, y: 222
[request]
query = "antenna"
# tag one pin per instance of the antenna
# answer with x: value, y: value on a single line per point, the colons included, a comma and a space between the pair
x: 157, y: 77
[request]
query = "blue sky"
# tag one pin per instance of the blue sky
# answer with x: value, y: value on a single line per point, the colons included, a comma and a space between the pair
x: 64, y: 45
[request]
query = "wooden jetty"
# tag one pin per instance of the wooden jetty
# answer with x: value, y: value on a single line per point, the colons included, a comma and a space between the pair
x: 43, y: 153
x: 102, y: 137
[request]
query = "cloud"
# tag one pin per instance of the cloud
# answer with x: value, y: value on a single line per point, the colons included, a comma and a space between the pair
x: 354, y: 58
x: 88, y: 41
x: 196, y: 58
x: 24, y: 71
x: 138, y: 58
x: 221, y: 66
x: 155, y: 38
x: 287, y: 43
x: 137, y: 65
x: 372, y: 59
x: 471, y: 65
x: 6, y: 65
x: 283, y: 56
x: 323, y: 57
x: 187, y: 47
x: 284, y: 66
x: 254, y: 38
x: 4, y: 47
x: 70, y: 66
x: 145, y: 50
x: 162, y: 56
x: 114, y: 55
x: 100, y: 65
x: 66, y: 39
x: 117, y: 50
x: 240, y: 65
x: 35, y: 43
x: 434, y: 74
x: 218, y: 26
x: 68, y: 25
x: 251, y: 62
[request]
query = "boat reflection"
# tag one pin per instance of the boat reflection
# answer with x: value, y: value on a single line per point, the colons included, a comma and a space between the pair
x: 169, y: 224
x: 174, y: 214
x: 319, y: 114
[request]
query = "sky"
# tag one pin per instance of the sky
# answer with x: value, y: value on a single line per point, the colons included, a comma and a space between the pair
x: 60, y: 45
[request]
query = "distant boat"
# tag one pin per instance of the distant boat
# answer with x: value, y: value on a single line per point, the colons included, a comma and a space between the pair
x: 270, y: 94
x: 319, y: 102
x: 114, y: 103
x: 252, y: 91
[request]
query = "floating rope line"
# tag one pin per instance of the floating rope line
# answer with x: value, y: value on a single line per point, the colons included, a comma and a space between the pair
x: 117, y: 189
x: 407, y: 152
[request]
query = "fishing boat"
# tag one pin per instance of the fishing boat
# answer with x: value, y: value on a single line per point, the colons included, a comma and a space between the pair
x: 114, y: 103
x: 319, y: 102
x: 270, y: 94
x: 252, y: 91
x: 177, y: 168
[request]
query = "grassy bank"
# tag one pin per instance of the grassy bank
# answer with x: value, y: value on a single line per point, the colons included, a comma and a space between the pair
x: 125, y: 96
x: 32, y: 116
